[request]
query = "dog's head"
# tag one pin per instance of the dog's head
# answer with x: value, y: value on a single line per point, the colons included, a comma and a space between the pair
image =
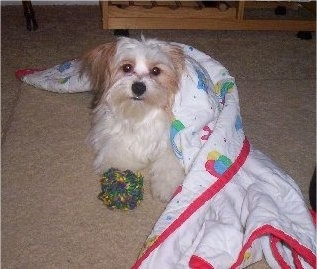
x: 133, y: 76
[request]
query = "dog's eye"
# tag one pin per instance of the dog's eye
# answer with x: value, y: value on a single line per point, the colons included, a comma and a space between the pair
x: 127, y: 68
x: 155, y: 71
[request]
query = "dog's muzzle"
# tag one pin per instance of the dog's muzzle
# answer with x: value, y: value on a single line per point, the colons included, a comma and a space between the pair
x: 138, y: 88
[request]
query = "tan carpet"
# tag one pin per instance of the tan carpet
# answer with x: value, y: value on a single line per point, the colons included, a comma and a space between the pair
x: 51, y: 217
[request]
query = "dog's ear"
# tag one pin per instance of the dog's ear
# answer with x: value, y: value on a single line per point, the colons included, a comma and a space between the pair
x: 96, y: 65
x: 178, y: 59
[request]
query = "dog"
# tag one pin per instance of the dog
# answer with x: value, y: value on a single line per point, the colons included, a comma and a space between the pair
x: 134, y: 83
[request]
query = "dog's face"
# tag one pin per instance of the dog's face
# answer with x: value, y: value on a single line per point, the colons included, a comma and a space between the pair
x: 133, y: 77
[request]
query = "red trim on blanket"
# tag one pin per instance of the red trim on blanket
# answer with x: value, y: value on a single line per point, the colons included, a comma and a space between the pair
x: 297, y: 261
x: 279, y: 258
x: 24, y: 72
x: 197, y: 262
x: 277, y: 255
x: 305, y: 252
x: 199, y: 202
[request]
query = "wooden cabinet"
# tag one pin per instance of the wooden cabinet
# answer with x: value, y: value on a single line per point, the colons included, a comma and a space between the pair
x: 237, y: 15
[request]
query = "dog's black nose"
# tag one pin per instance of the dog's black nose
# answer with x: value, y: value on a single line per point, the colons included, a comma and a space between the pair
x: 138, y: 88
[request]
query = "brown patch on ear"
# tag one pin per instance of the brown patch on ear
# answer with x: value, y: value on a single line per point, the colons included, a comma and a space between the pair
x: 178, y: 58
x: 96, y: 64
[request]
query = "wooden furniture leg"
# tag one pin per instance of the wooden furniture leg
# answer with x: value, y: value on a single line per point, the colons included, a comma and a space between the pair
x: 104, y: 10
x: 29, y: 14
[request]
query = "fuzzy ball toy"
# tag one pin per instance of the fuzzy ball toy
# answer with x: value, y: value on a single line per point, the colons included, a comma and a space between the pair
x: 121, y: 189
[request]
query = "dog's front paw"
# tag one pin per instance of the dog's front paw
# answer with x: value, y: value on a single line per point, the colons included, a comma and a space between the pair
x: 100, y: 168
x: 164, y: 184
x: 160, y: 192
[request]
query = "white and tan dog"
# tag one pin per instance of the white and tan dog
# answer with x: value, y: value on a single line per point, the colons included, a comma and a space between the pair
x: 134, y: 83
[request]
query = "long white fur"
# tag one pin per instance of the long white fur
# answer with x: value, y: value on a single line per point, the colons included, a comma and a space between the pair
x: 134, y: 134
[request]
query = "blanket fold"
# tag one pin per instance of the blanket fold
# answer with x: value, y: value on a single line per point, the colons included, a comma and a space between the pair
x: 235, y: 205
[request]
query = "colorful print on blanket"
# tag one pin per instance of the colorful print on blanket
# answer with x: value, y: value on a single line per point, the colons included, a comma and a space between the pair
x: 226, y: 214
x: 62, y: 78
x: 235, y: 205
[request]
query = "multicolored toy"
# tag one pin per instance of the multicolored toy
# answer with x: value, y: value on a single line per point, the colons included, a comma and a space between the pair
x: 121, y: 189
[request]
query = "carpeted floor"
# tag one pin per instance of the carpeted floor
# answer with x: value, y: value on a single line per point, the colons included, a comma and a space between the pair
x: 51, y: 217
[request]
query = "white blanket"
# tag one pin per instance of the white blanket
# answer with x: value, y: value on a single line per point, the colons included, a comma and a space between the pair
x: 235, y: 204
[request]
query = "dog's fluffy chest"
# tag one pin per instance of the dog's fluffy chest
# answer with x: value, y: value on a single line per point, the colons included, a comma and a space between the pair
x: 141, y: 140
